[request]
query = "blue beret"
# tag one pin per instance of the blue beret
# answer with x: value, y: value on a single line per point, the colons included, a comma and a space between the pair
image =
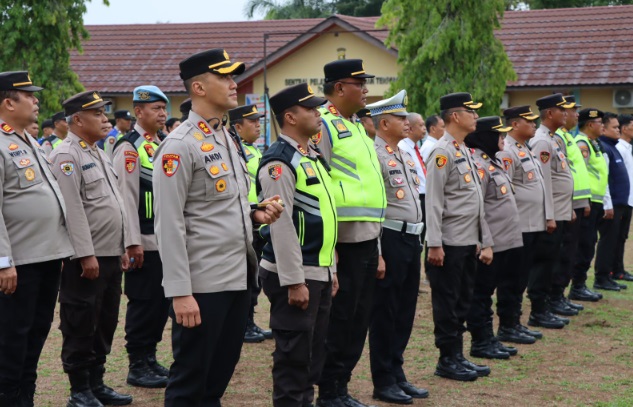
x: 149, y: 94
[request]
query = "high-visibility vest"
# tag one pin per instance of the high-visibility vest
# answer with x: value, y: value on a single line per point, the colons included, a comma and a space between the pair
x: 582, y: 186
x: 253, y: 156
x: 596, y: 168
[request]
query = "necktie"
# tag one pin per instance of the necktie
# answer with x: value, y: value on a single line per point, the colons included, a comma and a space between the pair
x: 417, y: 152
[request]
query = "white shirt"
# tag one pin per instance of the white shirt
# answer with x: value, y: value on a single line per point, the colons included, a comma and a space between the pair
x: 406, y: 144
x: 626, y: 150
x: 427, y: 146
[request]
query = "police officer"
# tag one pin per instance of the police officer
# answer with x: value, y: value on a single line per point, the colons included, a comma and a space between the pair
x: 396, y: 293
x: 147, y: 307
x: 47, y: 130
x: 123, y: 124
x: 33, y: 242
x: 582, y: 193
x: 185, y: 108
x: 298, y: 268
x: 60, y: 130
x: 559, y: 189
x: 535, y: 217
x: 456, y: 227
x: 502, y: 217
x: 364, y: 115
x: 589, y: 129
x: 244, y: 122
x: 90, y: 292
x: 361, y: 203
x: 204, y: 231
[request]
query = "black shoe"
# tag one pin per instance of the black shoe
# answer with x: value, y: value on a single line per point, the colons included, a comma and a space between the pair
x: 411, y: 390
x: 449, y: 368
x: 487, y: 350
x: 625, y: 276
x: 573, y: 305
x: 558, y: 317
x: 545, y: 321
x: 156, y: 367
x: 335, y: 402
x: 582, y: 293
x: 252, y: 335
x: 141, y: 375
x: 559, y: 306
x: 531, y: 332
x: 349, y: 401
x: 509, y: 334
x: 480, y: 370
x: 622, y: 286
x: 606, y: 284
x: 392, y: 394
x: 266, y: 333
x: 83, y: 399
x: 108, y: 397
x: 510, y: 350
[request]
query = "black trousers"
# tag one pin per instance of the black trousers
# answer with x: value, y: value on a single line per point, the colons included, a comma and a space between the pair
x: 518, y: 286
x: 502, y: 274
x: 205, y: 356
x: 588, y: 237
x: 609, y: 230
x: 393, y: 311
x: 89, y: 313
x: 547, y: 254
x: 256, y: 289
x: 571, y: 238
x: 625, y: 226
x: 349, y: 317
x: 299, y: 340
x: 25, y: 320
x: 451, y: 294
x: 147, y: 307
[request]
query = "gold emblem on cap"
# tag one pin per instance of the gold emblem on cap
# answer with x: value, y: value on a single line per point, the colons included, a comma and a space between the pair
x: 95, y: 95
x: 310, y: 89
x: 406, y: 100
x: 226, y: 55
x: 254, y: 109
x: 143, y: 95
x: 593, y: 113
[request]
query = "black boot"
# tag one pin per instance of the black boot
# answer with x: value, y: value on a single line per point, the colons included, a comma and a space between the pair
x: 510, y: 350
x: 578, y: 307
x: 156, y: 367
x: 80, y: 393
x: 559, y: 306
x: 142, y: 375
x: 106, y: 395
x: 345, y: 398
x: 513, y: 335
x: 606, y: 283
x: 252, y: 335
x: 482, y: 345
x: 580, y: 292
x: 329, y: 396
x: 450, y: 368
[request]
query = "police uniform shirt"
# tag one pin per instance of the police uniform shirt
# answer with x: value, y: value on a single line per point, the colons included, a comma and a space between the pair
x: 47, y: 147
x: 500, y: 207
x: 454, y: 200
x: 95, y: 207
x: 401, y: 183
x: 559, y: 184
x: 348, y: 232
x: 527, y: 177
x: 289, y: 260
x: 33, y: 225
x: 407, y: 145
x: 202, y: 217
x: 127, y: 166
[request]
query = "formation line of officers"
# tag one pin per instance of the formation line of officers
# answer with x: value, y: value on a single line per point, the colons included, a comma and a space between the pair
x: 330, y: 222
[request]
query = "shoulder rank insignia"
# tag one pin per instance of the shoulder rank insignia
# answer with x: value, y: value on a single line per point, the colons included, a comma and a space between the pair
x: 519, y: 145
x: 6, y: 128
x: 83, y: 144
x: 148, y: 137
x: 67, y: 167
x: 456, y: 144
x: 171, y: 162
x: 333, y: 110
x: 302, y: 150
x: 203, y: 126
x: 389, y: 149
x: 440, y: 161
x: 274, y: 171
x: 316, y: 139
x: 341, y: 128
x: 544, y: 156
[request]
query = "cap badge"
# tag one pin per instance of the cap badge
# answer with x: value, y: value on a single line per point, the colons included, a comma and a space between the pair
x: 593, y: 113
x: 310, y: 90
x: 226, y: 55
x: 95, y: 95
x: 143, y: 95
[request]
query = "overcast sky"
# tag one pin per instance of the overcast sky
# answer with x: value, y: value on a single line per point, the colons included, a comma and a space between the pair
x: 172, y: 11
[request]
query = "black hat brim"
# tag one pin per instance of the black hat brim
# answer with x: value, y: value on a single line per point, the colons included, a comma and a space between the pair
x: 254, y: 116
x: 314, y: 101
x: 363, y: 76
x: 31, y: 88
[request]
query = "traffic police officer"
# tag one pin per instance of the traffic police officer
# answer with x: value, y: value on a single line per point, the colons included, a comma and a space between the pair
x: 396, y: 294
x: 360, y: 201
x: 123, y: 124
x: 33, y: 242
x: 147, y: 307
x: 456, y: 226
x: 90, y: 292
x: 535, y: 216
x: 298, y: 268
x: 244, y: 122
x: 60, y: 130
x: 502, y: 217
x: 204, y: 230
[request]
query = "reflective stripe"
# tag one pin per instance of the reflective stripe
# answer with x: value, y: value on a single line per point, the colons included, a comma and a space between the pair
x: 597, y: 197
x: 295, y: 159
x: 344, y: 161
x: 344, y: 170
x: 593, y: 171
x: 307, y: 208
x: 306, y: 200
x: 582, y: 192
x: 377, y: 213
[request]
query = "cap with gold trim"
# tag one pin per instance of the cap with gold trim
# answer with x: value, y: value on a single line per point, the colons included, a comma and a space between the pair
x: 244, y: 112
x: 17, y: 80
x: 491, y: 124
x: 345, y: 68
x: 459, y: 99
x: 84, y: 101
x: 516, y: 112
x: 590, y: 114
x: 363, y: 113
x: 571, y: 100
x: 301, y: 94
x: 550, y: 101
x: 395, y: 105
x: 215, y: 60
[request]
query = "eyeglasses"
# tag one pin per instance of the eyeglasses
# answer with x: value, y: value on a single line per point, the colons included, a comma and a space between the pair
x: 361, y: 85
x: 466, y: 110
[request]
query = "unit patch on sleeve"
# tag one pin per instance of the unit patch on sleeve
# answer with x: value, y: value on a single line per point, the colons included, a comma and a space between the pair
x: 171, y: 162
x: 507, y: 162
x: 544, y: 156
x: 440, y: 161
x: 130, y: 164
x: 274, y: 171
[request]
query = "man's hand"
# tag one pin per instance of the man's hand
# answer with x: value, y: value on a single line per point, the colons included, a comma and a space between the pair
x: 382, y: 268
x: 299, y: 296
x: 551, y: 226
x: 271, y: 213
x: 573, y: 216
x: 436, y: 256
x: 136, y: 255
x: 608, y: 213
x: 90, y: 267
x: 8, y: 280
x: 187, y: 311
x: 334, y: 285
x: 587, y: 212
x: 125, y: 262
x: 486, y: 255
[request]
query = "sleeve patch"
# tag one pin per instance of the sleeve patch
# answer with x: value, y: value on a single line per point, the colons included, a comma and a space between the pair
x: 544, y: 156
x: 440, y: 161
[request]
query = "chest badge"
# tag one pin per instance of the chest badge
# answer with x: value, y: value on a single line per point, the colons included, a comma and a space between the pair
x: 13, y: 147
x: 400, y: 193
x: 198, y: 136
x: 481, y: 173
x: 24, y: 162
x: 214, y: 170
x: 29, y: 174
x: 391, y: 163
x: 521, y: 153
x: 503, y: 189
x: 220, y: 185
x: 206, y: 147
x: 468, y: 178
x: 530, y: 175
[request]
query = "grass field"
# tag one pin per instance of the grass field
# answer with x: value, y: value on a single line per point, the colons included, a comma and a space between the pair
x: 589, y: 363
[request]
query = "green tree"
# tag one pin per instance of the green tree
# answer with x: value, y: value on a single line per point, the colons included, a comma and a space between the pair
x: 359, y: 8
x: 289, y: 9
x: 448, y: 46
x: 540, y: 4
x: 37, y: 36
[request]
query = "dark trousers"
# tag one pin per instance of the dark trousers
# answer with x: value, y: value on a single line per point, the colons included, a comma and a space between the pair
x: 256, y: 289
x: 299, y: 340
x: 518, y: 286
x: 349, y: 317
x: 571, y: 239
x: 547, y: 253
x: 625, y: 226
x: 587, y: 244
x: 205, y: 356
x: 147, y: 307
x: 393, y: 311
x: 609, y: 230
x: 502, y: 274
x: 88, y: 313
x: 451, y: 294
x: 25, y: 320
